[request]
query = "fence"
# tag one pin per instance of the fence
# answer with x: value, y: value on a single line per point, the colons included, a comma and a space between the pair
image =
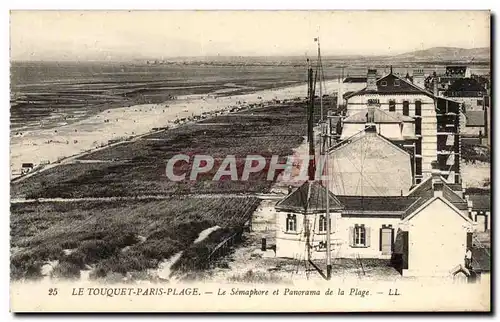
x: 222, y: 249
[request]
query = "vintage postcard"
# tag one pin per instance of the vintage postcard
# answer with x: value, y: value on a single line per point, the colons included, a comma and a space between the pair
x: 250, y: 161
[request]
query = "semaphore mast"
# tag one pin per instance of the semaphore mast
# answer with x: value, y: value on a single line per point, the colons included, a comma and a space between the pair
x: 324, y: 150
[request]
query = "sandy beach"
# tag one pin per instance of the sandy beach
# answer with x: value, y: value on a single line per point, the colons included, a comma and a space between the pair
x: 51, y: 145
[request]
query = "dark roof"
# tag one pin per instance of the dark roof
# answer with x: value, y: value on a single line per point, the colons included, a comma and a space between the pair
x: 481, y: 259
x: 425, y: 191
x: 481, y: 202
x: 379, y: 116
x: 455, y: 199
x: 368, y: 132
x: 466, y: 85
x: 310, y: 197
x: 392, y: 84
x: 474, y: 118
x: 355, y: 79
x: 386, y: 204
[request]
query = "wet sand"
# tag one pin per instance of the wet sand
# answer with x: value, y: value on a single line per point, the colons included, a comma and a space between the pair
x: 50, y: 145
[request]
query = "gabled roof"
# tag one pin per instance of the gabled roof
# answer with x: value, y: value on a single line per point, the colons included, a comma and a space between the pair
x: 392, y: 84
x: 309, y: 198
x: 379, y: 116
x: 425, y: 191
x: 413, y: 211
x: 363, y: 134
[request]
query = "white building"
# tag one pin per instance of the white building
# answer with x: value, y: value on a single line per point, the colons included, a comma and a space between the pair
x: 391, y: 125
x: 436, y: 119
x: 368, y: 164
x: 404, y: 227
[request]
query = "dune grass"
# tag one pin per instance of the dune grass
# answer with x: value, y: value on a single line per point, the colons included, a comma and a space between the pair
x: 106, y: 234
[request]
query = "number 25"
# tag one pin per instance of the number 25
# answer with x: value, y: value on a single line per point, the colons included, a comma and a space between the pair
x: 52, y: 291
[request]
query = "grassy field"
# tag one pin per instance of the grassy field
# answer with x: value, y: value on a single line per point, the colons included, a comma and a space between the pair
x: 115, y: 236
x: 138, y: 168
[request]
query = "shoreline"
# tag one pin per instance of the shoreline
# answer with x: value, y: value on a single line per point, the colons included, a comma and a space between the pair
x: 50, y: 147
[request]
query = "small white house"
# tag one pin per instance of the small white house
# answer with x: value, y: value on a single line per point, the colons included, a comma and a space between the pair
x: 301, y: 222
x: 435, y: 238
x: 429, y: 229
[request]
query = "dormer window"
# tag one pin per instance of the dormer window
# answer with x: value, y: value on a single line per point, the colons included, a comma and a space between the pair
x: 396, y: 82
x: 383, y: 83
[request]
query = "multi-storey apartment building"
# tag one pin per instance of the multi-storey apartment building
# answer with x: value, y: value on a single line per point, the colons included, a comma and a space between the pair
x: 436, y: 126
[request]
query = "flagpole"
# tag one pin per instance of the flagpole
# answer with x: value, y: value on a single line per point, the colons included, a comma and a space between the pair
x: 326, y: 140
x: 327, y: 217
x: 320, y: 82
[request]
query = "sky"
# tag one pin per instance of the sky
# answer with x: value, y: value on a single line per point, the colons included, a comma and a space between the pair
x: 125, y: 35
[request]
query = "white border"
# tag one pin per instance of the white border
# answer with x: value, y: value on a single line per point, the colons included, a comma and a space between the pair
x: 179, y: 5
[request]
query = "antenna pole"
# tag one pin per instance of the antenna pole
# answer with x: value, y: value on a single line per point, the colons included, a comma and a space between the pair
x: 320, y: 82
x: 328, y: 224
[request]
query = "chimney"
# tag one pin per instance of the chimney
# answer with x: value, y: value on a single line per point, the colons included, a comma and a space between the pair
x: 437, y: 182
x: 435, y: 84
x: 371, y: 80
x: 370, y: 115
x: 419, y: 78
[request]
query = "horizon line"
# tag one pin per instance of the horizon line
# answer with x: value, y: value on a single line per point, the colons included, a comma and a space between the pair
x: 346, y: 55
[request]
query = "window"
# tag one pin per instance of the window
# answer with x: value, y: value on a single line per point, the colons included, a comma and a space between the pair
x: 383, y: 83
x: 418, y: 108
x: 392, y: 106
x: 322, y: 224
x: 291, y: 222
x: 480, y: 102
x: 396, y: 82
x: 406, y: 108
x: 418, y: 166
x: 359, y: 235
x: 373, y: 101
x: 418, y: 147
x: 418, y: 126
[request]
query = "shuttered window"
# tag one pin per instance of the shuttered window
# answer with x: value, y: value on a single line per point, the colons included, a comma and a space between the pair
x: 418, y: 108
x: 359, y: 236
x: 418, y: 166
x: 291, y: 223
x: 418, y: 126
x: 406, y: 108
x: 392, y: 106
x: 322, y: 224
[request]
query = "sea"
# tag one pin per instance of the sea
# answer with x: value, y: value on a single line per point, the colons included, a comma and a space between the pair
x: 52, y: 94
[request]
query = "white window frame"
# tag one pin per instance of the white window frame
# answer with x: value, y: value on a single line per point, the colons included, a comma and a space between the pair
x: 322, y: 224
x: 359, y: 235
x: 383, y: 83
x: 291, y: 222
x: 397, y: 82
